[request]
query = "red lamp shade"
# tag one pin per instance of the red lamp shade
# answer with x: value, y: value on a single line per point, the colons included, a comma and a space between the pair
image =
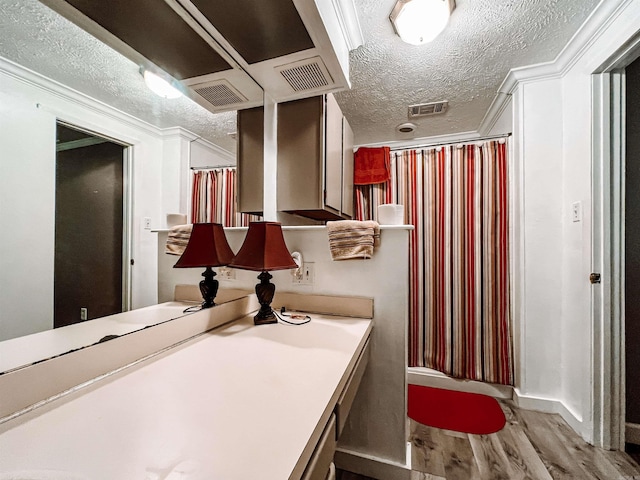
x: 207, y: 247
x: 264, y: 249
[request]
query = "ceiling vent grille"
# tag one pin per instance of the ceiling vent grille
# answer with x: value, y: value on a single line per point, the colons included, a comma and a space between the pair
x: 425, y: 109
x: 219, y: 94
x: 306, y: 75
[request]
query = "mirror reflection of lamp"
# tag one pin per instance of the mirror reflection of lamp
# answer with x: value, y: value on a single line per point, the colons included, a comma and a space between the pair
x: 264, y: 250
x: 207, y: 247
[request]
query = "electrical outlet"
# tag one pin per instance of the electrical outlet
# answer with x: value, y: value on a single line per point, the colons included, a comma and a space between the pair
x: 307, y: 274
x: 226, y: 273
x: 83, y: 313
x: 147, y: 223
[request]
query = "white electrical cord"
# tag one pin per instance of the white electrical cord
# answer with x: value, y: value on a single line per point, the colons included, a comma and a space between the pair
x: 297, y: 257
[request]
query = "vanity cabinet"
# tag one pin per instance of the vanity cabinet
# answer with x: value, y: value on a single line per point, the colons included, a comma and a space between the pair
x: 315, y: 159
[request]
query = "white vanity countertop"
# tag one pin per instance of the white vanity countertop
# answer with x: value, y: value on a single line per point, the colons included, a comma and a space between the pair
x: 239, y: 402
x: 21, y: 351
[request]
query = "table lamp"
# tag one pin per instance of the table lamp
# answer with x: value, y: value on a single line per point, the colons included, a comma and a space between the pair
x: 207, y: 247
x: 264, y: 250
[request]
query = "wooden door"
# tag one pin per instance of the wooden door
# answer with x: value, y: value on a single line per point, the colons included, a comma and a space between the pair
x: 88, y: 269
x: 632, y: 252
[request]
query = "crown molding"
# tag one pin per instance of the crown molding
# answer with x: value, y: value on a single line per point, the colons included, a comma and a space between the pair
x: 179, y: 132
x: 462, y: 137
x: 590, y: 31
x: 33, y: 79
x: 496, y: 109
x: 349, y: 23
x: 191, y: 137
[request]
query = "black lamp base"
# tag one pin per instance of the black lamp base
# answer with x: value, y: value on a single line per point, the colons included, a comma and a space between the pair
x: 208, y: 288
x: 265, y: 291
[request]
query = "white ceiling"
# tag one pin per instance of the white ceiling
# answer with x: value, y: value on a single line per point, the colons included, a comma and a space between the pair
x: 465, y: 65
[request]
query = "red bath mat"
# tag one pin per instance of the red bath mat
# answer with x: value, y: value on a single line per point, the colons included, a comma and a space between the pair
x: 459, y: 411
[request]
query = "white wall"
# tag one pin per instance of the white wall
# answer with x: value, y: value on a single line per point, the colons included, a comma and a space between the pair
x: 29, y: 107
x: 27, y: 194
x: 175, y: 166
x: 553, y: 151
x: 541, y: 188
x: 577, y: 330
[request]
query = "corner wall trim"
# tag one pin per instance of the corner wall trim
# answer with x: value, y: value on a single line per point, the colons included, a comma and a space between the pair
x: 549, y: 405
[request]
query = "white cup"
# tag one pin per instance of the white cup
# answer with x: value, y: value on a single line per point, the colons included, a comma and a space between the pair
x: 390, y: 214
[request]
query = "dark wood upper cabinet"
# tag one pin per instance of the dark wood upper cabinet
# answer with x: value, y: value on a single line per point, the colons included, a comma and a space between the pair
x: 315, y: 159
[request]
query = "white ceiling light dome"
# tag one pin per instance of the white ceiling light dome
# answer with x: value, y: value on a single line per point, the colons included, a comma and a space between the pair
x: 420, y: 21
x: 159, y: 85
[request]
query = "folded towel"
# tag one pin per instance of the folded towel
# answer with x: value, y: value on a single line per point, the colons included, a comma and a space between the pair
x: 177, y: 239
x: 352, y: 239
x: 371, y: 165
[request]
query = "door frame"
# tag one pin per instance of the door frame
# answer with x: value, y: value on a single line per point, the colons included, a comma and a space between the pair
x: 127, y: 208
x: 608, y: 248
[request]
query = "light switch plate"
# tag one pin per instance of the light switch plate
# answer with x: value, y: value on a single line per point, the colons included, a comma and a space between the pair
x: 576, y: 211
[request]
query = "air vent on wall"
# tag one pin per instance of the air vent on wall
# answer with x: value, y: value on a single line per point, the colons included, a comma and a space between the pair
x: 307, y: 74
x: 425, y: 109
x: 219, y: 93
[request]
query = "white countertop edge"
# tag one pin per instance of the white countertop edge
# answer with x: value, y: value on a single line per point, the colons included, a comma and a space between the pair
x: 301, y: 228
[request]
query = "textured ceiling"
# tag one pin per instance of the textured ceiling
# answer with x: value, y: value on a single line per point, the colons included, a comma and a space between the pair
x: 464, y: 65
x: 34, y: 36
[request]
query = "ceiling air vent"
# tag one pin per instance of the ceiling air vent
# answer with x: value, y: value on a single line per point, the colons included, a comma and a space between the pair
x: 424, y: 109
x: 219, y: 93
x: 307, y: 74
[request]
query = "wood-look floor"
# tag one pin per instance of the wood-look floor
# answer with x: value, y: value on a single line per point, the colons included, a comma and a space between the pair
x: 532, y: 445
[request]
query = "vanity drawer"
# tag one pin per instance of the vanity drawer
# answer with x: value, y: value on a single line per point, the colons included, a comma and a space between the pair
x: 349, y: 393
x: 318, y: 467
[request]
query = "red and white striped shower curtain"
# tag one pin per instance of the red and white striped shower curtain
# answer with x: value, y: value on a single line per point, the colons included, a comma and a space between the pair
x: 213, y: 199
x: 456, y: 196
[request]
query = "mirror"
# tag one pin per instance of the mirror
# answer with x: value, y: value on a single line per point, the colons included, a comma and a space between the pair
x: 51, y: 70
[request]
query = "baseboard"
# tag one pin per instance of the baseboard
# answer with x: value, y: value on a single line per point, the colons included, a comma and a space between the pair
x: 370, y: 466
x: 432, y: 378
x: 548, y: 405
x: 632, y: 433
